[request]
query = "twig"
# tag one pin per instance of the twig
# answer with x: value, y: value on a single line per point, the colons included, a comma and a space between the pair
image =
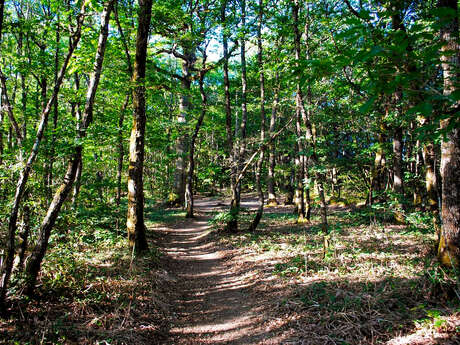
x: 261, y: 147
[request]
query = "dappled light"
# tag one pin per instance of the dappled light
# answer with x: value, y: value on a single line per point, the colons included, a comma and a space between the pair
x: 249, y: 172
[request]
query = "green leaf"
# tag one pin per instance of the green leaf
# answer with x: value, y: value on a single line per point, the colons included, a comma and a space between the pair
x: 367, y: 106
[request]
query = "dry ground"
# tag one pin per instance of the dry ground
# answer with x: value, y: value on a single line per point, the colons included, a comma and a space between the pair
x: 275, y: 287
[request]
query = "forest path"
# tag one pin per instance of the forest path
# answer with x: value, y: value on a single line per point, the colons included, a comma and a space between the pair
x: 211, y: 296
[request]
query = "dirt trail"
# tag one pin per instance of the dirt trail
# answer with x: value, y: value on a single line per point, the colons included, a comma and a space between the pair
x: 212, y: 300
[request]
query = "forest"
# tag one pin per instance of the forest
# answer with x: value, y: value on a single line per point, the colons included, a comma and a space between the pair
x: 229, y: 172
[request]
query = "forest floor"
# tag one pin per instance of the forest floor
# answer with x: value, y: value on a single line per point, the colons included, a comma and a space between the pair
x: 276, y: 286
x: 377, y: 283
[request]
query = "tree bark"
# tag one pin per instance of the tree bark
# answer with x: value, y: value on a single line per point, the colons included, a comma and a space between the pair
x: 190, y: 173
x: 431, y: 184
x: 77, y: 184
x: 181, y: 146
x: 121, y: 117
x: 310, y: 138
x: 244, y: 107
x: 299, y: 200
x: 232, y: 224
x: 449, y: 244
x: 135, y: 219
x: 260, y: 162
x: 49, y: 177
x: 271, y: 156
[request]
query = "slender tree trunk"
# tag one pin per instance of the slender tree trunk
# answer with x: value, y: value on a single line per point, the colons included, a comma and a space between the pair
x: 121, y: 117
x: 181, y: 146
x: 24, y: 176
x: 449, y: 244
x: 431, y: 184
x: 299, y: 171
x: 9, y: 109
x: 24, y: 234
x: 310, y: 138
x: 39, y: 251
x: 244, y: 108
x: 271, y: 157
x: 135, y: 219
x: 60, y: 196
x: 78, y: 118
x: 190, y: 173
x: 120, y: 148
x: 397, y: 159
x: 397, y: 173
x: 260, y: 162
x: 289, y: 184
x: 232, y: 224
x: 23, y: 87
x: 398, y: 108
x: 49, y: 178
x: 376, y: 183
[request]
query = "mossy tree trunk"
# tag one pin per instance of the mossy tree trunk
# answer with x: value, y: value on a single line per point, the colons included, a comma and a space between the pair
x: 135, y: 220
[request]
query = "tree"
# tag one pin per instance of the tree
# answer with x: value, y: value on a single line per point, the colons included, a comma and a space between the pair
x: 25, y: 173
x: 449, y: 243
x: 135, y: 220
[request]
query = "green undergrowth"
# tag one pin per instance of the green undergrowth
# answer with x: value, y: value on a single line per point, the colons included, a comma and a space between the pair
x: 91, y: 289
x: 155, y: 215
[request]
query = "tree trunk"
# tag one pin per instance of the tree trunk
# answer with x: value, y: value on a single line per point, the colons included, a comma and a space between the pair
x: 181, y: 146
x: 299, y: 172
x: 271, y: 157
x: 121, y: 117
x: 260, y: 162
x: 135, y: 219
x: 190, y: 173
x: 397, y: 174
x: 77, y: 184
x: 244, y: 108
x: 397, y: 160
x: 39, y: 251
x: 49, y: 178
x: 376, y: 183
x: 431, y: 184
x: 24, y: 234
x: 449, y: 244
x: 310, y: 138
x: 120, y: 149
x: 232, y: 224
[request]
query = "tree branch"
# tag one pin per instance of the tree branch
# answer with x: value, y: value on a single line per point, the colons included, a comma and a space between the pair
x: 261, y: 147
x: 168, y: 73
x: 9, y: 108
